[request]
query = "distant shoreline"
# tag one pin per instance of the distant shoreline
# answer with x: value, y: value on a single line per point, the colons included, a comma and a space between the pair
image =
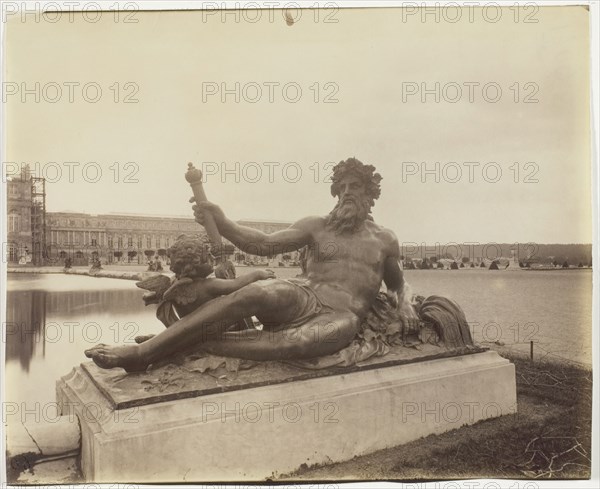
x: 137, y: 274
x: 119, y: 274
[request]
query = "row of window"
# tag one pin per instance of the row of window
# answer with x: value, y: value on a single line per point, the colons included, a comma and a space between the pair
x: 191, y: 225
x: 119, y: 242
x: 112, y: 241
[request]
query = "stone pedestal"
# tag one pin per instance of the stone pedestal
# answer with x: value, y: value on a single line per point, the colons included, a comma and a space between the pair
x: 253, y: 430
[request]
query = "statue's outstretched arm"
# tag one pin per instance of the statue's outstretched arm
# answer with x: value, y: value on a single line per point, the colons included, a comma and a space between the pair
x: 256, y: 242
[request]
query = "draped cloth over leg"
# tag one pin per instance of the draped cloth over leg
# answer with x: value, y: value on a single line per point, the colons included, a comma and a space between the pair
x: 443, y: 323
x: 308, y: 305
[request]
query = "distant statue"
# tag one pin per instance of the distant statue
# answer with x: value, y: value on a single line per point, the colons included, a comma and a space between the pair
x: 96, y: 265
x: 224, y: 268
x: 68, y: 262
x: 316, y: 315
x: 154, y: 265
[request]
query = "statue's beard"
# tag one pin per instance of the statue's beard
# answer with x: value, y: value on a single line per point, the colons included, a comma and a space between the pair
x: 348, y: 215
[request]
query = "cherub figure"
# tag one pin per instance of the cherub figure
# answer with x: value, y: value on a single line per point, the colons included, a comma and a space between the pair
x: 192, y: 262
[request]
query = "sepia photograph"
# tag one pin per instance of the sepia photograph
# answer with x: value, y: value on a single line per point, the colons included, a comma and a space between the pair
x: 299, y: 244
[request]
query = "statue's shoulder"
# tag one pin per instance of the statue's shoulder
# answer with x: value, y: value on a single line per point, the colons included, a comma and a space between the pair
x: 386, y: 236
x: 311, y: 222
x: 382, y: 231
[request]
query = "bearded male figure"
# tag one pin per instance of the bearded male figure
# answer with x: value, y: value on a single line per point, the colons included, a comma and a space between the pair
x: 314, y: 315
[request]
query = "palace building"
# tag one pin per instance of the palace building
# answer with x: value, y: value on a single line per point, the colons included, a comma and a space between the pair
x: 125, y: 238
x: 48, y: 238
x: 26, y: 212
x: 18, y: 217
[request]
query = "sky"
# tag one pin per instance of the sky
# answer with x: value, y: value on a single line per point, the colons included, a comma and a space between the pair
x: 513, y: 158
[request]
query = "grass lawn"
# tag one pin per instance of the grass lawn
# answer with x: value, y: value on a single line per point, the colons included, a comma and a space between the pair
x: 548, y: 438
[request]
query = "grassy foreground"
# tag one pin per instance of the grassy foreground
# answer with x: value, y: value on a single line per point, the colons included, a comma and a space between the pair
x: 549, y: 438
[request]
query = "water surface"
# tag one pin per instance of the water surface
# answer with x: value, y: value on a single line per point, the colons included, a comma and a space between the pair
x: 53, y: 318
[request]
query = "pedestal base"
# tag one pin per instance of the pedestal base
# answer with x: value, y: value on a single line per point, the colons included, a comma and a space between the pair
x: 261, y: 432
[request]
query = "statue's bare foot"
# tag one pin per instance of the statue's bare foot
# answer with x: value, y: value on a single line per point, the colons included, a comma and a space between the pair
x: 124, y: 356
x: 144, y: 337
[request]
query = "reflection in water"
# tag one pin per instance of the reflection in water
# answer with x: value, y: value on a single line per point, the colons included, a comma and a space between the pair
x: 25, y: 318
x: 51, y: 320
x: 31, y: 317
x: 74, y: 304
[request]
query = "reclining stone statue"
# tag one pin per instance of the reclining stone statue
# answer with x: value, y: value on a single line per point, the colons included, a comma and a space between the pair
x: 316, y: 315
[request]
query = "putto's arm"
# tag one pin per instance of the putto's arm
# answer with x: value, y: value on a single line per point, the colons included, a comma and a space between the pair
x: 256, y: 242
x: 220, y: 286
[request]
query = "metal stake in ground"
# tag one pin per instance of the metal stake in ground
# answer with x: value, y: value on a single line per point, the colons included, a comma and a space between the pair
x: 531, y: 350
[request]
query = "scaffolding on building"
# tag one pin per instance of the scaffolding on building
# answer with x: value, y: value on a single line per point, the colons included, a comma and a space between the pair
x: 38, y: 220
